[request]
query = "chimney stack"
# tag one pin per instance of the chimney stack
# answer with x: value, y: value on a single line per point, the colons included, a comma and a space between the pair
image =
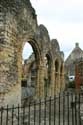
x: 77, y: 44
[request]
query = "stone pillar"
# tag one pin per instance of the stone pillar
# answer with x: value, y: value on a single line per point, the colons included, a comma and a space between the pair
x: 56, y: 86
x: 40, y: 81
x: 52, y: 81
x: 62, y: 82
x: 57, y: 83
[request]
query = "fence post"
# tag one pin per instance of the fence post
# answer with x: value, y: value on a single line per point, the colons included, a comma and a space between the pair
x: 39, y: 111
x: 23, y: 114
x: 63, y: 108
x: 1, y: 115
x: 18, y: 113
x: 79, y: 111
x: 34, y: 112
x: 75, y: 109
x: 7, y: 116
x: 72, y: 106
x: 50, y: 111
x: 59, y: 108
x: 54, y: 109
x: 68, y: 106
x: 29, y: 114
x: 12, y: 114
x: 45, y: 111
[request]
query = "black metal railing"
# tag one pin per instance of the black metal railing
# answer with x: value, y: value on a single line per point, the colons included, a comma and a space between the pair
x: 64, y: 109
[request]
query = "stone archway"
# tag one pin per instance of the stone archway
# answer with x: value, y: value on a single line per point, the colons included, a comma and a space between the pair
x: 36, y: 60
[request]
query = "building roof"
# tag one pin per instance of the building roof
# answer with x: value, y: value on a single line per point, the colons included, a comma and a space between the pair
x: 75, y: 54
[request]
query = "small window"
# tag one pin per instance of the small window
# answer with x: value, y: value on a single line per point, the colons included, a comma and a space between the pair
x: 24, y: 83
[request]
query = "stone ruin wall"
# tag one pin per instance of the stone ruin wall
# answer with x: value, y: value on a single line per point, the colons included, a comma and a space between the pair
x: 9, y: 82
x: 18, y: 24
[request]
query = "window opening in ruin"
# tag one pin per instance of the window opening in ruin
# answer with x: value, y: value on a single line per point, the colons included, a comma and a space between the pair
x: 24, y: 83
x: 47, y: 74
x: 29, y: 70
x: 56, y: 66
x: 27, y: 51
x: 56, y: 73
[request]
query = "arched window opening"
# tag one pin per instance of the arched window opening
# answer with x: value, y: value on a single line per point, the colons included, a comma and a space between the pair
x: 56, y: 66
x: 56, y: 74
x: 27, y: 51
x: 29, y: 71
x: 47, y: 73
x: 61, y: 69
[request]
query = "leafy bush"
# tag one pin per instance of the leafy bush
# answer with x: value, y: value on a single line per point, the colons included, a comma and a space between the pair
x: 71, y: 84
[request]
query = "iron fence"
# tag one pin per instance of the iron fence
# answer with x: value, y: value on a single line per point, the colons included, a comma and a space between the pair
x: 64, y: 109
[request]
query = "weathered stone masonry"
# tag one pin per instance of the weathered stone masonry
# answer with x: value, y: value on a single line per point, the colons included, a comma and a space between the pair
x: 18, y: 24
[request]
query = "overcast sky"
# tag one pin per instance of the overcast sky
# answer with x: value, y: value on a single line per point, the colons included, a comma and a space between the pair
x: 63, y: 19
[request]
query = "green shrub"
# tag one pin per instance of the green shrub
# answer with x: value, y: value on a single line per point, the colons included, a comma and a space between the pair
x: 71, y: 84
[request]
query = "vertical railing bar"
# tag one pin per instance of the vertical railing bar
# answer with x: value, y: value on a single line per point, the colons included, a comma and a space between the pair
x: 45, y: 111
x: 23, y: 114
x: 54, y: 109
x: 50, y: 111
x: 72, y: 109
x: 12, y: 114
x: 63, y: 108
x: 34, y: 112
x: 39, y: 111
x: 7, y: 116
x: 18, y: 114
x: 75, y: 110
x: 1, y: 115
x: 68, y: 105
x: 79, y: 111
x: 59, y: 108
x: 29, y: 114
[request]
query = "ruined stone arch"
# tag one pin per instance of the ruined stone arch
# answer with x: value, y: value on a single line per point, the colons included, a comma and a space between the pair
x: 37, y: 59
x: 35, y: 48
x: 55, y: 45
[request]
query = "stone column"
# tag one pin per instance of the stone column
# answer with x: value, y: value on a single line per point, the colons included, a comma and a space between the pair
x: 52, y: 81
x: 56, y: 83
x: 40, y: 81
x: 58, y: 80
x: 62, y: 82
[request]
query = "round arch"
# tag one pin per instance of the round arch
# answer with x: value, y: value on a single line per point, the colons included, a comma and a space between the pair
x: 37, y: 60
x: 35, y: 48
